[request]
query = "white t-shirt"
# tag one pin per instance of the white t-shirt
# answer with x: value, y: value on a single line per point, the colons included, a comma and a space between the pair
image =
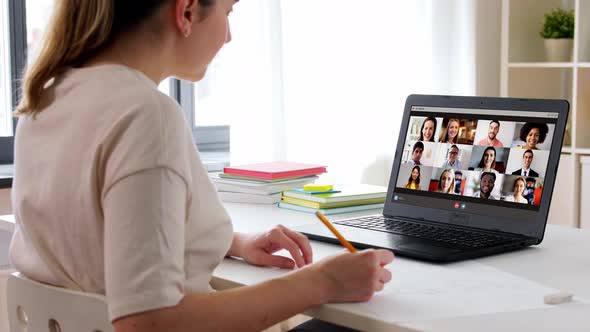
x: 492, y: 196
x: 513, y: 199
x: 110, y: 195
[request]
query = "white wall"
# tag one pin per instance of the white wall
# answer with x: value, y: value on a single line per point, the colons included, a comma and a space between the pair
x: 486, y: 25
x: 488, y: 40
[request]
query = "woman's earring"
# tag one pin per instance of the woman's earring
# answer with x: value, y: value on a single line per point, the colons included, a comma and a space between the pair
x: 186, y: 33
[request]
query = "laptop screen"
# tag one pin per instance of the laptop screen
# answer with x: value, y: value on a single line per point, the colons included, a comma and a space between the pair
x: 484, y: 156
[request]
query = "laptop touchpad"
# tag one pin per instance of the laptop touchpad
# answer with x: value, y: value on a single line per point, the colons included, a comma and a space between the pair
x: 425, y: 248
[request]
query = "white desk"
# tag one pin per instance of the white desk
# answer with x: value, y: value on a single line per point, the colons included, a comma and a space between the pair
x: 562, y: 261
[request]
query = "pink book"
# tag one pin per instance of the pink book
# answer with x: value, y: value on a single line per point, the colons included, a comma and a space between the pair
x: 275, y: 170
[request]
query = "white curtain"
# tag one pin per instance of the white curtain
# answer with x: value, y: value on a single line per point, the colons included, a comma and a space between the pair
x: 5, y: 87
x: 325, y: 81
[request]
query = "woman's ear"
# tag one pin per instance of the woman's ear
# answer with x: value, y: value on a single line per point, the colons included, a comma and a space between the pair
x: 186, y: 14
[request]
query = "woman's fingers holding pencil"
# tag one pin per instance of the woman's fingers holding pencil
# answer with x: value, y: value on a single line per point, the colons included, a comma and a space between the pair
x: 384, y: 256
x: 385, y: 276
x: 353, y: 277
x: 382, y: 275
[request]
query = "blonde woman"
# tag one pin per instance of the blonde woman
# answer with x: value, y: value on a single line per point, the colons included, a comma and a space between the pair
x: 518, y: 190
x: 110, y: 195
x: 451, y: 133
x: 446, y: 182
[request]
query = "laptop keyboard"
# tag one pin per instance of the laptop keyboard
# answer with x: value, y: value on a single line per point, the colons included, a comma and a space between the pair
x: 465, y: 238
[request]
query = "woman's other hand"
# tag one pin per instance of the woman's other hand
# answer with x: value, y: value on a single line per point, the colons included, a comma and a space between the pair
x: 259, y: 249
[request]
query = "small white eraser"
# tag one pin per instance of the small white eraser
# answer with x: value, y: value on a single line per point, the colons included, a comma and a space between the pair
x: 558, y: 298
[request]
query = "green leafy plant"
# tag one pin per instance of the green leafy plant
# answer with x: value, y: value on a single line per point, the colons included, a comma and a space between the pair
x: 558, y: 23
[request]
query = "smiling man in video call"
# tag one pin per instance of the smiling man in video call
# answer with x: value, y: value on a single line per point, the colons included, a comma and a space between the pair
x: 527, y: 160
x: 491, y: 139
x: 417, y: 154
x: 486, y: 186
x: 452, y: 161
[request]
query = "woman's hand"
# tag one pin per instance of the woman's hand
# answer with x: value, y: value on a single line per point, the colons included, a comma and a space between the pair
x: 258, y: 249
x: 349, y: 277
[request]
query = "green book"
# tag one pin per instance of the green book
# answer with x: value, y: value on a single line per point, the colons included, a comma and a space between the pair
x: 348, y: 192
x: 344, y: 209
x: 317, y: 205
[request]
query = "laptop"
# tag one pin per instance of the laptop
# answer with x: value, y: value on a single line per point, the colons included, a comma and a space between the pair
x: 472, y: 176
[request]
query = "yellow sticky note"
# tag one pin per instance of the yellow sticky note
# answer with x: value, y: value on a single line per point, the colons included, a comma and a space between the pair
x: 317, y: 187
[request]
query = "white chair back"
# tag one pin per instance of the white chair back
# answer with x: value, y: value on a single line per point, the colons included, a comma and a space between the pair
x: 37, y: 307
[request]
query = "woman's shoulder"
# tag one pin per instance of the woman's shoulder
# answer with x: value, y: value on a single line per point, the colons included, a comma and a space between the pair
x: 118, y: 86
x: 138, y: 97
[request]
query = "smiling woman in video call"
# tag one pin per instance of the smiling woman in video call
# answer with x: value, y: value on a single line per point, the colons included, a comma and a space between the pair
x: 488, y: 161
x: 446, y: 182
x: 518, y: 190
x: 532, y: 134
x: 428, y: 129
x: 414, y: 180
x: 451, y: 133
x: 110, y: 195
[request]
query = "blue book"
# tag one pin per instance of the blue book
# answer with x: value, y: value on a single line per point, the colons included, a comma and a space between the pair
x: 301, y: 190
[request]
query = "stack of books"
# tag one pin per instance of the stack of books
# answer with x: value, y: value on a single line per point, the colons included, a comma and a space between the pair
x: 342, y: 199
x: 263, y: 183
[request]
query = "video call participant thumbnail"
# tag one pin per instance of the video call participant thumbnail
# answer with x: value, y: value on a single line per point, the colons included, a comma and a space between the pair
x: 532, y: 134
x: 414, y: 180
x: 529, y: 190
x: 451, y: 132
x: 446, y: 182
x: 488, y: 161
x: 527, y: 160
x: 487, y: 181
x: 428, y: 129
x: 458, y: 182
x: 417, y: 153
x: 452, y: 161
x: 518, y: 189
x: 491, y: 139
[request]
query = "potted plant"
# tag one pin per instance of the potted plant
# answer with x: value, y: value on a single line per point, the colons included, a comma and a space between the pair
x: 558, y: 32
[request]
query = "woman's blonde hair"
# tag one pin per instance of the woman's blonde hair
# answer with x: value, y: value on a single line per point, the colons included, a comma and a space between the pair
x: 521, y: 178
x: 77, y: 31
x: 444, y: 137
x: 452, y: 187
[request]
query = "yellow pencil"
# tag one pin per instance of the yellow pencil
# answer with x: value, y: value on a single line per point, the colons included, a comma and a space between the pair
x: 341, y: 238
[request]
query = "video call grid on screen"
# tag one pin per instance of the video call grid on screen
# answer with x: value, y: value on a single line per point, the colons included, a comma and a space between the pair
x: 477, y: 155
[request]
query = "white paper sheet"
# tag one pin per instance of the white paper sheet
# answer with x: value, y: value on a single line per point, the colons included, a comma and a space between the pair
x: 421, y: 291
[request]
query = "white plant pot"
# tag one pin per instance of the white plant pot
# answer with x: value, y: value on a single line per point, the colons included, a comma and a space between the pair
x: 559, y: 50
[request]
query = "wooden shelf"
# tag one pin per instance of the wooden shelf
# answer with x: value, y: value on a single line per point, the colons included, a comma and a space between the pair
x: 525, y: 73
x: 541, y: 65
x: 582, y: 151
x: 570, y: 150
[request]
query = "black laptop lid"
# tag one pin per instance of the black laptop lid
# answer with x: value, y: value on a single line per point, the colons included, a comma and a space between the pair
x: 481, y: 162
